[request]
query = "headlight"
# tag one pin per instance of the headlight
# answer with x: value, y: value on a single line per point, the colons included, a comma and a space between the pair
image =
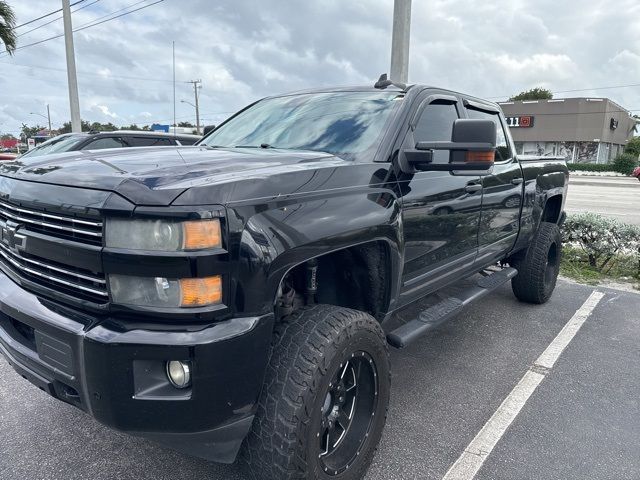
x: 163, y: 235
x: 163, y: 292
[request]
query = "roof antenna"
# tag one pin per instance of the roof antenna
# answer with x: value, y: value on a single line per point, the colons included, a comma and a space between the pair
x: 383, y: 82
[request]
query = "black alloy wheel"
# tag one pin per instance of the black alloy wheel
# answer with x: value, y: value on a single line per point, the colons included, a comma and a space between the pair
x: 347, y: 413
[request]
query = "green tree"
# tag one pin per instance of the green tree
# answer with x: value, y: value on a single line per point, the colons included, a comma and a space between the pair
x: 537, y: 93
x: 633, y: 147
x: 66, y: 127
x: 7, y: 27
x: 28, y: 131
x: 103, y: 127
x: 186, y: 125
x: 89, y: 127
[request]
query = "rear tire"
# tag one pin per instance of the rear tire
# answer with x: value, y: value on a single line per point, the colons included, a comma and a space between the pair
x: 539, y: 266
x: 324, y: 402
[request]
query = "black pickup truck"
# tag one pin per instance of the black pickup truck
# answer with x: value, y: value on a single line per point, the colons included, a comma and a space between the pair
x: 237, y: 298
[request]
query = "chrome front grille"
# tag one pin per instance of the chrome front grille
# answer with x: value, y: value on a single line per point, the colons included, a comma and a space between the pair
x: 72, y: 281
x: 17, y: 222
x: 80, y: 230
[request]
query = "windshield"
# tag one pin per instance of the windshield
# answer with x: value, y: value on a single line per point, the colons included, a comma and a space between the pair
x: 346, y: 124
x: 59, y: 144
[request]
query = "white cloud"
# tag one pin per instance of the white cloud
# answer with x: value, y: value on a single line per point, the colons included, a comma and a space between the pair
x: 245, y: 49
x: 104, y: 110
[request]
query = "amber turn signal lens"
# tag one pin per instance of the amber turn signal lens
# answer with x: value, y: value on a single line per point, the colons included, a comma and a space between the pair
x: 200, y: 292
x: 201, y: 234
x: 481, y: 157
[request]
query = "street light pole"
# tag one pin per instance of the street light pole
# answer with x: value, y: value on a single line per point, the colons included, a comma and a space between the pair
x: 49, y: 118
x: 400, y: 41
x: 46, y: 117
x: 74, y: 102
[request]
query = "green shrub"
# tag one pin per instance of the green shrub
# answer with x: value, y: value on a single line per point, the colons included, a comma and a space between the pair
x: 590, y: 167
x: 625, y: 163
x: 633, y: 147
x: 602, y: 240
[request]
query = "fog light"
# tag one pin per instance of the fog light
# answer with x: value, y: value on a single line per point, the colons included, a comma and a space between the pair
x: 179, y: 374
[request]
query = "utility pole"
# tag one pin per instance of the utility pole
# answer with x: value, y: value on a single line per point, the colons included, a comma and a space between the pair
x: 400, y: 41
x: 197, y: 84
x: 74, y: 102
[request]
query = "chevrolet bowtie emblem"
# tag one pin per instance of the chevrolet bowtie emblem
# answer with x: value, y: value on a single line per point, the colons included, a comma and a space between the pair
x: 10, y: 238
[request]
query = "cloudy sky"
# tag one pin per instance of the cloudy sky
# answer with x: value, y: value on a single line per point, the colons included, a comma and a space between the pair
x: 246, y: 49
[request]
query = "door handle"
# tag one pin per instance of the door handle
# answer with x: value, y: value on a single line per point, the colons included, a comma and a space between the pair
x: 517, y: 180
x: 473, y: 187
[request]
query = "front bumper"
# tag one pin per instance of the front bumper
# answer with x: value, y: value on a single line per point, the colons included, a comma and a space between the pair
x: 115, y: 372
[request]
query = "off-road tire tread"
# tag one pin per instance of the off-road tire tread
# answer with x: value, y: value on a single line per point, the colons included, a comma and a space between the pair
x: 303, y: 346
x: 529, y: 284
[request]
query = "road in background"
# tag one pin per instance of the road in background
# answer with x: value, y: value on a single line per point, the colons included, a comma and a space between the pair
x: 582, y: 422
x: 615, y: 197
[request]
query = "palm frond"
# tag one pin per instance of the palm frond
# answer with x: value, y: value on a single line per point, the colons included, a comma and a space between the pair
x: 7, y: 27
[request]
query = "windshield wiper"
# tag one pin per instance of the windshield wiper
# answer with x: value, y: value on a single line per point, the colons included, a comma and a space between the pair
x: 262, y: 145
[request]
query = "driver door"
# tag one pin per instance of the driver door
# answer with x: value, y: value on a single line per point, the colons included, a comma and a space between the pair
x: 441, y: 211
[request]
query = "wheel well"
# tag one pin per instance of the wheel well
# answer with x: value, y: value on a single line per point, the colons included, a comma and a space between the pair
x: 552, y: 209
x: 354, y: 277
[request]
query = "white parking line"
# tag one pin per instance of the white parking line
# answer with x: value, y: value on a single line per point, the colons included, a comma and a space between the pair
x: 467, y: 465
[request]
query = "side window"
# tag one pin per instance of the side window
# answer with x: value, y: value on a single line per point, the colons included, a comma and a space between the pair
x: 503, y: 152
x: 149, y: 142
x: 436, y: 125
x: 106, y: 142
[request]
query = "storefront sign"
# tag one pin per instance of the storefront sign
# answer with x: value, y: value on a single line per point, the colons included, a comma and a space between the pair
x: 525, y: 121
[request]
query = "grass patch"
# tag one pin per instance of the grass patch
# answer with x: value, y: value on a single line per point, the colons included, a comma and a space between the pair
x: 575, y: 265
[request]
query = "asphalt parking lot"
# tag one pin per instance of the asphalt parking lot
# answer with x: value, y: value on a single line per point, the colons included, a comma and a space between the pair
x: 582, y: 422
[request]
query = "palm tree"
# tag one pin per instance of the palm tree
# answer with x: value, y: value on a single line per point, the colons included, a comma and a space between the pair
x: 7, y: 27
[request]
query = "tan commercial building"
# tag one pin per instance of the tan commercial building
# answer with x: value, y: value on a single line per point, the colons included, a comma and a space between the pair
x: 583, y: 130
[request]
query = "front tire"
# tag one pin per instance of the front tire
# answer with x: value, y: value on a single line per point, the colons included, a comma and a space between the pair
x: 325, y: 397
x: 538, y: 268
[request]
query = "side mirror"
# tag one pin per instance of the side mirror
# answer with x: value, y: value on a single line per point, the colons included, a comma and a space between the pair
x: 208, y: 129
x: 472, y: 147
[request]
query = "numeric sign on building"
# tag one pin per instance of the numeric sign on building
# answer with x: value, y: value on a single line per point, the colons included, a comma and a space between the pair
x: 524, y: 121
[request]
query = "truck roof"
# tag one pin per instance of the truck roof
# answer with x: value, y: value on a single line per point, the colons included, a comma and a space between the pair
x: 417, y: 87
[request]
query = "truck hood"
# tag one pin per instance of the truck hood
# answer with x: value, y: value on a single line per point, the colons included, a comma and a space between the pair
x: 158, y: 175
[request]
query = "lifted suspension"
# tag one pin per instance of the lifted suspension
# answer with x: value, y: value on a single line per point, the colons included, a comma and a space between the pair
x: 311, y: 283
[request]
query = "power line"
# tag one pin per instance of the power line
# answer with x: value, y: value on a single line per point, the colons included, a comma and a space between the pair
x: 88, y: 25
x: 113, y: 13
x: 105, y: 77
x: 182, y: 117
x: 46, y: 15
x: 56, y: 19
x: 579, y: 90
x: 581, y: 113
